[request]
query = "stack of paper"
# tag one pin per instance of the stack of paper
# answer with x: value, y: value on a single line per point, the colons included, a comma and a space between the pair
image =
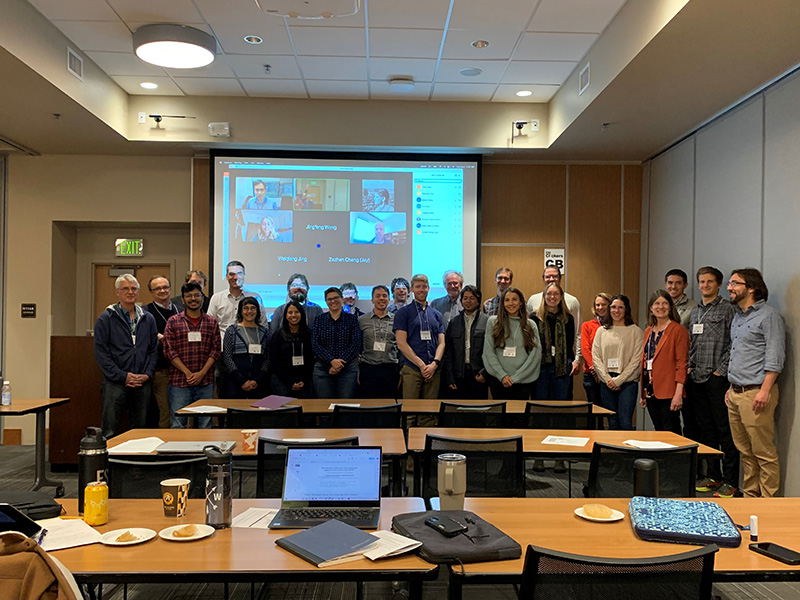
x: 648, y: 445
x: 67, y: 533
x: 140, y: 446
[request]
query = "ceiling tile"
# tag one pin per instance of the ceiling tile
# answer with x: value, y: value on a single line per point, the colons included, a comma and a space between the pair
x: 252, y: 67
x: 409, y: 14
x: 97, y: 35
x: 554, y: 46
x: 541, y: 93
x: 197, y: 86
x: 538, y: 72
x: 379, y: 90
x: 474, y: 92
x: 274, y: 88
x: 156, y: 11
x: 574, y: 15
x: 217, y: 69
x: 420, y: 69
x: 330, y: 68
x: 166, y: 87
x: 124, y: 63
x: 338, y: 89
x: 475, y: 14
x: 231, y: 38
x: 329, y: 41
x: 492, y: 71
x: 236, y: 11
x: 404, y: 43
x: 459, y: 43
x: 356, y: 20
x: 83, y: 10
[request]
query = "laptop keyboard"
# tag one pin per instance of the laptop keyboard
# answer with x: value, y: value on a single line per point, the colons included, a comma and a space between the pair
x: 350, y: 514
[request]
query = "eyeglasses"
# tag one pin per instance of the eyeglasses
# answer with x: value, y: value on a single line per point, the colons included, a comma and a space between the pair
x: 128, y: 289
x: 501, y: 278
x: 735, y: 283
x: 160, y: 288
x: 333, y: 299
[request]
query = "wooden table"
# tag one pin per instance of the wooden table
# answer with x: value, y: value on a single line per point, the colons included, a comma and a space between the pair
x: 25, y: 406
x: 228, y: 555
x: 551, y: 523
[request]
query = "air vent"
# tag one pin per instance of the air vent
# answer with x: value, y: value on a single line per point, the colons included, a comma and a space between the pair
x: 310, y: 9
x: 583, y: 79
x: 74, y: 63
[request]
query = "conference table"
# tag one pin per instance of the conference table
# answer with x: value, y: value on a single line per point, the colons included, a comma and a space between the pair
x: 228, y: 555
x: 39, y: 407
x: 551, y: 523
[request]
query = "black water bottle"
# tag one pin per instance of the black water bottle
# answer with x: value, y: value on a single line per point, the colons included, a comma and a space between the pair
x: 645, y: 477
x: 218, y: 487
x: 92, y: 461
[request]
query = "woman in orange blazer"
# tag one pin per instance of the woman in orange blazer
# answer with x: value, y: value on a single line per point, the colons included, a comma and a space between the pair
x: 665, y: 356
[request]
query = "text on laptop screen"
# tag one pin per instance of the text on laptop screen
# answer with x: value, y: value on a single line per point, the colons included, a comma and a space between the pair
x: 332, y: 474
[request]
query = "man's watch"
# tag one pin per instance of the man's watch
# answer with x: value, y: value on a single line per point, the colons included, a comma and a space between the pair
x: 437, y: 361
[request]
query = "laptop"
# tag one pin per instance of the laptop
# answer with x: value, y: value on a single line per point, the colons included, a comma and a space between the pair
x: 330, y: 482
x: 192, y: 447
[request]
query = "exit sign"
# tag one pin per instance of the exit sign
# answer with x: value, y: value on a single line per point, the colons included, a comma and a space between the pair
x: 127, y: 247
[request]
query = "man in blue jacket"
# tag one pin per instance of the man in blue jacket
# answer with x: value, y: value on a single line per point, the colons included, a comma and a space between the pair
x: 125, y: 348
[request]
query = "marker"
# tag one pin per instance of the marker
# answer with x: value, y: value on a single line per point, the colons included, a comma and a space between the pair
x: 753, y: 528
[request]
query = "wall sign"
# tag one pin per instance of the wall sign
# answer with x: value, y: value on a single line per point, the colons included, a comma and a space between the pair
x: 28, y: 311
x: 555, y: 257
x: 126, y: 247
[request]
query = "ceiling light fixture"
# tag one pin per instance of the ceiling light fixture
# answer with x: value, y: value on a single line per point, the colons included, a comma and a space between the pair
x: 149, y: 85
x: 480, y: 43
x: 524, y: 93
x: 401, y: 85
x: 253, y: 39
x: 470, y: 72
x: 174, y: 46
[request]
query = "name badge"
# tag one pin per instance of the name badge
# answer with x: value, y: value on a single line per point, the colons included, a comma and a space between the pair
x: 254, y: 348
x: 613, y: 363
x: 194, y: 336
x: 297, y: 361
x: 379, y: 346
x: 510, y: 351
x: 425, y: 335
x: 650, y: 365
x: 697, y: 328
x: 552, y: 350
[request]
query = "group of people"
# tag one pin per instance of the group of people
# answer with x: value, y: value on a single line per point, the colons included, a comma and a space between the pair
x: 714, y: 363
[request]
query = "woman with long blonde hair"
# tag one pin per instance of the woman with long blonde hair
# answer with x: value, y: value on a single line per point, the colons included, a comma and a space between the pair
x: 557, y: 331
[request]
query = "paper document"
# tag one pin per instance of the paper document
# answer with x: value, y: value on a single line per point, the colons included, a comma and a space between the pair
x: 303, y: 440
x: 140, y: 446
x: 67, y: 533
x: 255, y: 518
x: 206, y: 409
x: 391, y: 544
x: 648, y: 445
x: 340, y: 404
x: 562, y: 440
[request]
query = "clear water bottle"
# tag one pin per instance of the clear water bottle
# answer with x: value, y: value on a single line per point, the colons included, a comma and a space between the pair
x: 6, y: 393
x: 219, y: 499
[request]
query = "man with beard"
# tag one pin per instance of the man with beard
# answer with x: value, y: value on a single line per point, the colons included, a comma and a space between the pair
x: 297, y: 288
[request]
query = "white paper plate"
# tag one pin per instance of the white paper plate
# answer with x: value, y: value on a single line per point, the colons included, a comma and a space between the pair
x: 615, y: 516
x: 202, y: 532
x: 142, y: 535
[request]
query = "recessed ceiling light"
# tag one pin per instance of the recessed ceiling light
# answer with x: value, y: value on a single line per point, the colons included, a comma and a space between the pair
x: 470, y: 72
x: 480, y: 43
x: 148, y: 85
x: 174, y: 46
x: 524, y: 93
x: 401, y: 85
x: 253, y: 39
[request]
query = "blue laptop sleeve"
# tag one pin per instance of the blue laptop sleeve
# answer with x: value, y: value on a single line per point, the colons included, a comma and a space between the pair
x: 682, y: 522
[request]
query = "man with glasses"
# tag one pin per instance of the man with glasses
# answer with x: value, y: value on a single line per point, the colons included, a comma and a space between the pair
x: 758, y: 351
x: 336, y: 339
x: 192, y: 345
x: 503, y: 278
x: 162, y: 309
x: 198, y: 277
x: 399, y: 288
x: 297, y: 289
x: 224, y: 304
x: 350, y: 299
x: 450, y: 304
x: 125, y: 348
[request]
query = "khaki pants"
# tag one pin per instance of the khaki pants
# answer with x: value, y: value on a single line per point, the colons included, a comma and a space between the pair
x: 415, y: 386
x: 160, y: 385
x: 754, y: 436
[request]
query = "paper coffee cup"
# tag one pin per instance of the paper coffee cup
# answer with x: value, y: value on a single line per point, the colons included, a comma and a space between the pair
x: 249, y: 440
x: 175, y: 494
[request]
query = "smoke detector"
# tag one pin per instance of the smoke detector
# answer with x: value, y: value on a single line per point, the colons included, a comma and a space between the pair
x: 309, y: 9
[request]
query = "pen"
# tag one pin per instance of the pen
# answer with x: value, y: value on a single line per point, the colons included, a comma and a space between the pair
x: 65, y: 518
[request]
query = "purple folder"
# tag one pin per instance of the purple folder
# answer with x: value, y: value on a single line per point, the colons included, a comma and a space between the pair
x: 272, y: 401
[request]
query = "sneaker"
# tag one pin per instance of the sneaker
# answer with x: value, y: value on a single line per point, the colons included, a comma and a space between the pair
x: 707, y: 485
x: 560, y: 467
x: 538, y: 466
x: 726, y: 490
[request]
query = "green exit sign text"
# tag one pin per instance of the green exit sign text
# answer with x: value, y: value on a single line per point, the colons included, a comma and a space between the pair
x: 126, y: 247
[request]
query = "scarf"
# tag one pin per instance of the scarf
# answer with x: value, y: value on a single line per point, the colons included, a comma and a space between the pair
x: 560, y: 344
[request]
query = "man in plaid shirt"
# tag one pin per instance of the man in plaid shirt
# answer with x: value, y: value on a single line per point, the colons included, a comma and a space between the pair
x: 192, y: 345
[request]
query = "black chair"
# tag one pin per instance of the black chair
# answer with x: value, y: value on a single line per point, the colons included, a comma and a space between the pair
x: 611, y: 471
x: 494, y: 466
x: 452, y: 414
x: 141, y: 478
x: 554, y: 416
x: 551, y: 574
x: 368, y: 417
x: 271, y: 463
x: 285, y: 417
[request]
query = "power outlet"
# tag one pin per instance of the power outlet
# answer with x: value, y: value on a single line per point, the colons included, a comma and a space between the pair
x: 534, y: 124
x: 142, y: 118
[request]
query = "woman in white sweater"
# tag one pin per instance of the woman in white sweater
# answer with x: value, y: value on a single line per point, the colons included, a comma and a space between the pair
x: 616, y: 354
x: 512, y: 354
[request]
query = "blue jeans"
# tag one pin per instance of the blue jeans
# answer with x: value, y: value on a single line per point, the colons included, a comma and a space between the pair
x: 184, y: 396
x: 550, y: 387
x: 592, y: 389
x: 341, y: 385
x: 622, y: 402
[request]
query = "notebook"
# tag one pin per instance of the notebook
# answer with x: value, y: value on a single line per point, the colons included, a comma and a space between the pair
x: 192, y: 447
x: 330, y: 482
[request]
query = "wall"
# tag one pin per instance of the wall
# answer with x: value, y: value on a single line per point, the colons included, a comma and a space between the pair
x: 727, y: 196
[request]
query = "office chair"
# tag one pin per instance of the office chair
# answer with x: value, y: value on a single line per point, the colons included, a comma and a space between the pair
x: 452, y: 414
x: 142, y: 477
x: 368, y: 417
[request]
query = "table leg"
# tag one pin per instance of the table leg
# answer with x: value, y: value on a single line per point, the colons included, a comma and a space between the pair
x: 40, y: 471
x: 397, y: 475
x: 454, y: 588
x: 415, y: 590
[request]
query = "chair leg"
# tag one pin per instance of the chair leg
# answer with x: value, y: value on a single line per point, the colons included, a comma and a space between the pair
x: 359, y: 590
x: 569, y: 477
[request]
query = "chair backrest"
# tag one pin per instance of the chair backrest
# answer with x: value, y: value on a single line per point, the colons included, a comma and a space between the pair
x: 142, y: 477
x: 495, y: 467
x: 551, y: 574
x: 368, y: 417
x: 271, y: 463
x: 285, y: 417
x: 553, y: 416
x: 611, y: 470
x: 452, y: 414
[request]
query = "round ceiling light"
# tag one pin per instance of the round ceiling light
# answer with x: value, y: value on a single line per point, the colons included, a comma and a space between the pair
x: 524, y: 93
x: 253, y: 39
x: 149, y: 85
x: 470, y: 72
x: 174, y: 46
x: 401, y: 85
x: 480, y: 43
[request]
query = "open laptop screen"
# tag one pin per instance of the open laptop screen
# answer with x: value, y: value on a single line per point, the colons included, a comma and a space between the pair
x: 346, y: 474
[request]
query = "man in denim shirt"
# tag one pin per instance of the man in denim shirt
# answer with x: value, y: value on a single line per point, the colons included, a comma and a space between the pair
x: 758, y: 348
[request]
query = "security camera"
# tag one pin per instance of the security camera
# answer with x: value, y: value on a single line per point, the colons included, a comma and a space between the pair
x: 520, y: 124
x: 156, y: 118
